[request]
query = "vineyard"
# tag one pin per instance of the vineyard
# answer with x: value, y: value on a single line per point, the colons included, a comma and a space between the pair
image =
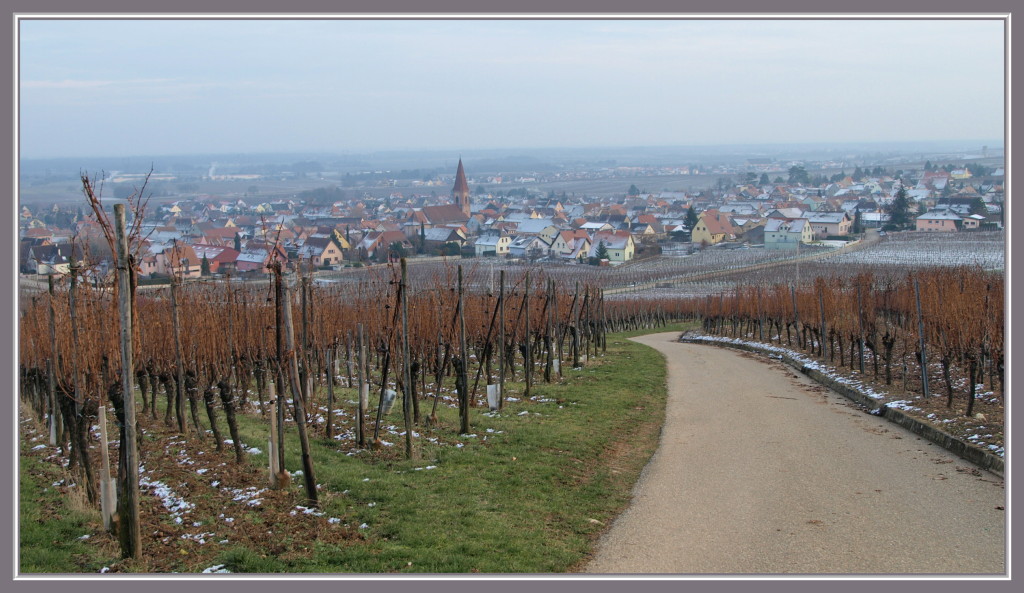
x: 313, y: 363
x: 639, y: 273
x: 302, y: 361
x: 933, y: 337
x: 916, y: 249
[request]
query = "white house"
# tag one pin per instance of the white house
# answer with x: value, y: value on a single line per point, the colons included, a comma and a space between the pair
x: 530, y: 246
x: 618, y: 244
x: 492, y: 244
x: 783, y: 234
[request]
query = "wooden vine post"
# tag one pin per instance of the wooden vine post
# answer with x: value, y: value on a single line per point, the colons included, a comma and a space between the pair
x: 78, y: 439
x: 501, y: 338
x: 576, y: 328
x: 304, y: 370
x: 129, y: 535
x: 796, y: 316
x: 330, y: 394
x: 53, y: 417
x: 363, y: 391
x: 283, y: 478
x: 179, y: 407
x: 824, y: 332
x: 292, y: 362
x: 462, y: 381
x: 860, y: 329
x: 548, y: 329
x: 920, y: 333
x: 604, y: 326
x: 528, y: 366
x: 407, y: 385
x: 276, y: 479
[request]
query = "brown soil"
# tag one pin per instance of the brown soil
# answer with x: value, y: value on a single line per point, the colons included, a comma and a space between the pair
x: 223, y: 512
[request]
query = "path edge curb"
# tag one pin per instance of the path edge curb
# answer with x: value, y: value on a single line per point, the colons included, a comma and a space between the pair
x: 967, y: 451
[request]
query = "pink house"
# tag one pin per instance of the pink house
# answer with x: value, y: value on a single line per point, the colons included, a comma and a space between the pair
x: 938, y: 221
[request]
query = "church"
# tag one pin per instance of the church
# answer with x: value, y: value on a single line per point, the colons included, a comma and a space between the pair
x: 457, y: 213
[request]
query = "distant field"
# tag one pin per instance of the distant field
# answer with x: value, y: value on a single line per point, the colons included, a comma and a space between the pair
x: 70, y: 192
x: 985, y: 249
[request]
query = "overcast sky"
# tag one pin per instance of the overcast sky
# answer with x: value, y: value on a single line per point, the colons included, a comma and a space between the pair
x: 134, y: 87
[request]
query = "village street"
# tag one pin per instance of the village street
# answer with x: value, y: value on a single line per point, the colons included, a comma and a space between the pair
x: 762, y: 471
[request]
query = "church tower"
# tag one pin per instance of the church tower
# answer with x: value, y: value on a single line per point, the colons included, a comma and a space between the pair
x: 460, y: 192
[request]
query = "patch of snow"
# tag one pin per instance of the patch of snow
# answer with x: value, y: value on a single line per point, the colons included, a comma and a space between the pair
x: 199, y: 538
x: 307, y: 511
x: 248, y: 495
x: 171, y: 501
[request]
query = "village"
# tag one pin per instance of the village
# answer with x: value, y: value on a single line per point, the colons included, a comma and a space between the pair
x: 212, y: 236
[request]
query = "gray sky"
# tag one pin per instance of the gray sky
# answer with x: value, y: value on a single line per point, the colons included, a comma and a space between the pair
x: 129, y: 87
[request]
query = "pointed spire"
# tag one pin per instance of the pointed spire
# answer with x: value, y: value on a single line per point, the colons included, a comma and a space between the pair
x: 461, y: 189
x: 460, y: 180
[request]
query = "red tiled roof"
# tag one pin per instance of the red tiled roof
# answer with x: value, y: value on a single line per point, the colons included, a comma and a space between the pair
x: 445, y: 214
x: 717, y: 223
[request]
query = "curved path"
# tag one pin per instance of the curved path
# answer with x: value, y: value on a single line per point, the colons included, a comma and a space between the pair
x: 762, y: 471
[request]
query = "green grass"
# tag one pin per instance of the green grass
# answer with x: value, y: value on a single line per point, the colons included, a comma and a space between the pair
x: 51, y: 525
x: 530, y: 498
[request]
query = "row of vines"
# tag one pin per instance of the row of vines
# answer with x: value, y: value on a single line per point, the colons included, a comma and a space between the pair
x: 894, y: 325
x: 212, y: 351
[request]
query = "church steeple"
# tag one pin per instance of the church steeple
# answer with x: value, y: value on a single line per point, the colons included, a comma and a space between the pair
x: 460, y: 192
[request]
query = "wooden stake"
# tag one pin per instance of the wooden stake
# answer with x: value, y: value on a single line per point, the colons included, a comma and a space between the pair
x: 130, y: 536
x: 463, y: 375
x: 308, y: 474
x: 363, y: 395
x: 407, y: 386
x: 501, y: 338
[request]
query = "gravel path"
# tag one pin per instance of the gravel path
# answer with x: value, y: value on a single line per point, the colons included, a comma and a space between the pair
x: 762, y: 471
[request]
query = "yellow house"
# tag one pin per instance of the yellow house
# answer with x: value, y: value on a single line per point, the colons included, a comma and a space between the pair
x: 830, y: 224
x: 320, y: 251
x: 712, y: 227
x: 618, y: 244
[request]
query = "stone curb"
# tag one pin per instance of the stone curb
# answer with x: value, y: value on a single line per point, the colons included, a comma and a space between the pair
x: 972, y: 453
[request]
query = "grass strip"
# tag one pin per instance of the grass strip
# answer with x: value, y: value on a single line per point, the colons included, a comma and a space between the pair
x: 529, y: 491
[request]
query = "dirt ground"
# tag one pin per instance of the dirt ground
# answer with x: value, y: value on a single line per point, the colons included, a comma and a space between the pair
x: 196, y: 501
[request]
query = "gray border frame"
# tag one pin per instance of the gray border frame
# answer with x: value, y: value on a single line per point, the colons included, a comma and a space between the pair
x: 871, y: 9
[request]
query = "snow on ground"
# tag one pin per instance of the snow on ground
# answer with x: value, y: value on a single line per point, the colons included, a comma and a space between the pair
x: 171, y: 501
x: 832, y: 373
x: 779, y: 351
